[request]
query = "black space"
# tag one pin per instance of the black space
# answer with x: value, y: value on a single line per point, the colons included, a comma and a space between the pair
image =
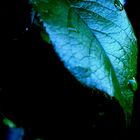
x: 40, y: 95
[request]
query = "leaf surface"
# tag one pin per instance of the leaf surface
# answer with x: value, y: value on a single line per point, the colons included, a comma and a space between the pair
x: 95, y: 41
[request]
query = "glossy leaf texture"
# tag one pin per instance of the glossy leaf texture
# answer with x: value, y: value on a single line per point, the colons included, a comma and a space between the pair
x: 96, y: 42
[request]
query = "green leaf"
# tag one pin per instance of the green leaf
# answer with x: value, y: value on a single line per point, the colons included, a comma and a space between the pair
x: 9, y: 123
x: 95, y: 41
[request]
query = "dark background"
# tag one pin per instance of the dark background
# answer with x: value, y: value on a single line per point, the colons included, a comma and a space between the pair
x: 40, y: 95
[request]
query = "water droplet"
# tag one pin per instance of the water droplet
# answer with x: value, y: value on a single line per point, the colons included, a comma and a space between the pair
x: 118, y: 5
x: 133, y: 84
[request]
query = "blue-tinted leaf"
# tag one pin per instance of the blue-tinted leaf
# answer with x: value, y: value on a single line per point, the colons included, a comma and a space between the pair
x: 96, y: 42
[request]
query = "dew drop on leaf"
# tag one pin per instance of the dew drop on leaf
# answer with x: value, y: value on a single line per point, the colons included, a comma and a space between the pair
x: 133, y: 84
x: 118, y: 5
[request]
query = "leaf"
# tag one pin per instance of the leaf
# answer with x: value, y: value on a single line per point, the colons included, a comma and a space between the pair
x: 96, y: 43
x: 9, y: 123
